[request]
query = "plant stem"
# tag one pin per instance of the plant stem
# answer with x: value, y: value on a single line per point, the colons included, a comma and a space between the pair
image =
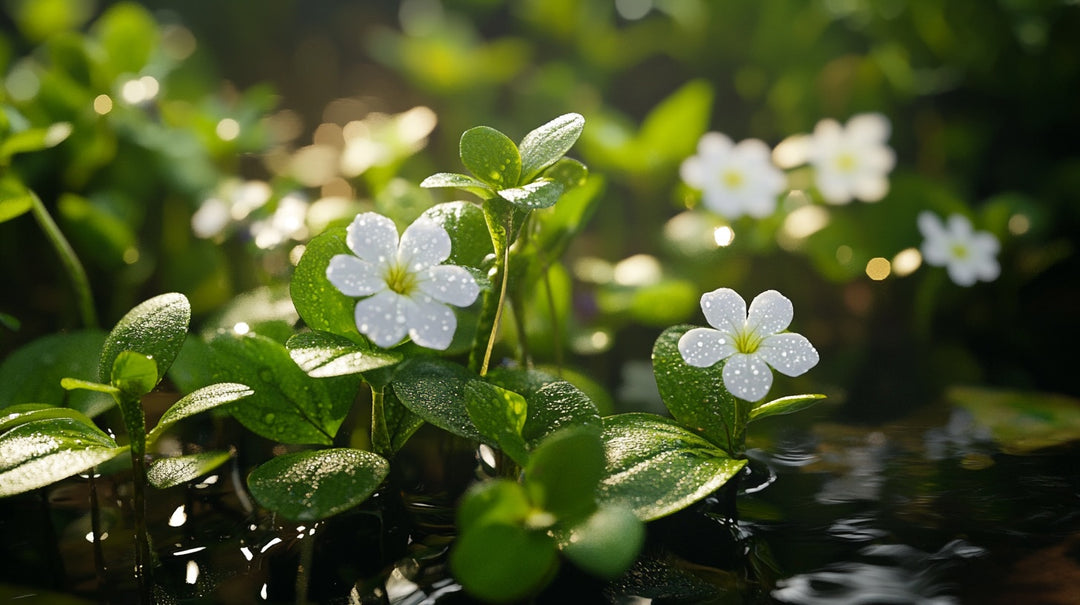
x: 95, y: 528
x: 76, y: 272
x: 303, y: 572
x: 135, y: 424
x: 380, y: 434
x: 556, y: 331
x: 503, y: 267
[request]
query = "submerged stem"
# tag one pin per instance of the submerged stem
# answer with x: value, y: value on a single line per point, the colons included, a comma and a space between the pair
x: 76, y: 272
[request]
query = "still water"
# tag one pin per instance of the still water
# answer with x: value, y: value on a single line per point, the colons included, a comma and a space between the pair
x: 931, y: 509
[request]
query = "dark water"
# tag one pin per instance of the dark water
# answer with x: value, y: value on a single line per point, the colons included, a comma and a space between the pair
x: 928, y: 510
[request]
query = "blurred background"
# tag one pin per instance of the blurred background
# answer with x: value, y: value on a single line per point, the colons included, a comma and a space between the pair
x: 209, y: 140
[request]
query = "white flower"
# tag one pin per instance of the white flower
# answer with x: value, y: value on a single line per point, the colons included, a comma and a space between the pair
x: 966, y: 254
x: 407, y: 289
x: 750, y: 342
x: 852, y: 161
x: 734, y: 179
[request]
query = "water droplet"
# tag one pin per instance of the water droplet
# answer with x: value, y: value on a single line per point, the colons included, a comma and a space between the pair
x: 269, y: 417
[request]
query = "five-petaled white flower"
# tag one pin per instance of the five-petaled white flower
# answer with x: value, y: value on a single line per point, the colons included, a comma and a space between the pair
x: 749, y: 342
x: 735, y: 179
x: 966, y: 254
x: 852, y: 161
x: 407, y: 288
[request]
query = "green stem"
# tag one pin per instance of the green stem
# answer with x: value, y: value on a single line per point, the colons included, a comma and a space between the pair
x: 380, y: 434
x: 556, y: 330
x: 95, y: 528
x: 76, y: 272
x: 504, y: 269
x: 303, y: 572
x: 135, y: 424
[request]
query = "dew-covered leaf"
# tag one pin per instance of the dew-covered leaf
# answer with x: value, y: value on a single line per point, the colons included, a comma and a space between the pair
x: 32, y: 373
x: 468, y: 231
x: 434, y: 389
x: 156, y: 328
x: 41, y: 452
x: 457, y: 181
x: 552, y: 403
x: 503, y: 563
x: 563, y: 472
x: 542, y: 193
x: 313, y: 485
x: 169, y: 472
x: 22, y: 413
x: 491, y: 156
x: 606, y: 543
x: 206, y: 398
x: 395, y: 422
x: 322, y: 306
x: 288, y: 405
x: 697, y: 397
x: 548, y: 143
x: 499, y: 415
x: 656, y: 467
x: 784, y: 405
x: 322, y: 355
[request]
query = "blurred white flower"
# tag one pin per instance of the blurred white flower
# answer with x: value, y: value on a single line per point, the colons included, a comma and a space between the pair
x: 852, y: 161
x: 233, y: 202
x: 405, y: 285
x: 735, y: 179
x: 749, y: 342
x: 966, y: 254
x: 288, y: 222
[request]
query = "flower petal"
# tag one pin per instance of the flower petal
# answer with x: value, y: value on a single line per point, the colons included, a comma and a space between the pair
x: 431, y: 323
x: 703, y: 347
x: 724, y: 309
x: 450, y: 284
x: 373, y: 237
x: 788, y: 353
x: 383, y: 317
x: 354, y: 276
x: 714, y: 145
x: 424, y: 244
x: 869, y: 127
x: 770, y: 312
x: 747, y: 377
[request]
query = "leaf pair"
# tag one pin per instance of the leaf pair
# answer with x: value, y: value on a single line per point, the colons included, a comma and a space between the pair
x: 512, y: 533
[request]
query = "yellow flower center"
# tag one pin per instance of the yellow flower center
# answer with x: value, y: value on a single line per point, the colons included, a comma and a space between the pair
x: 733, y: 179
x: 400, y: 279
x: 959, y: 251
x: 845, y: 162
x: 747, y: 341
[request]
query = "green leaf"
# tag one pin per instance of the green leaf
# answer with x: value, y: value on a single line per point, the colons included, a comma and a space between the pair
x: 156, y: 328
x: 288, y: 405
x: 266, y: 310
x: 96, y: 232
x: 696, y: 397
x: 313, y: 485
x: 164, y: 473
x: 15, y: 199
x: 434, y: 389
x: 542, y: 193
x: 491, y: 156
x: 458, y: 181
x: 552, y: 403
x: 1021, y: 422
x: 206, y: 398
x: 560, y: 224
x: 497, y: 501
x: 134, y: 374
x: 503, y: 563
x: 38, y: 453
x: 784, y: 405
x: 656, y: 467
x: 396, y: 424
x: 606, y: 543
x: 322, y: 354
x: 563, y: 472
x: 32, y: 372
x: 499, y: 415
x: 128, y: 34
x: 468, y: 231
x: 73, y: 384
x: 671, y: 130
x: 547, y: 144
x: 28, y: 412
x: 322, y: 306
x: 33, y: 139
x: 567, y: 172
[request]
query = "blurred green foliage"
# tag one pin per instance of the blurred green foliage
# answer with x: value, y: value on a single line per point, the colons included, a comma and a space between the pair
x: 978, y: 93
